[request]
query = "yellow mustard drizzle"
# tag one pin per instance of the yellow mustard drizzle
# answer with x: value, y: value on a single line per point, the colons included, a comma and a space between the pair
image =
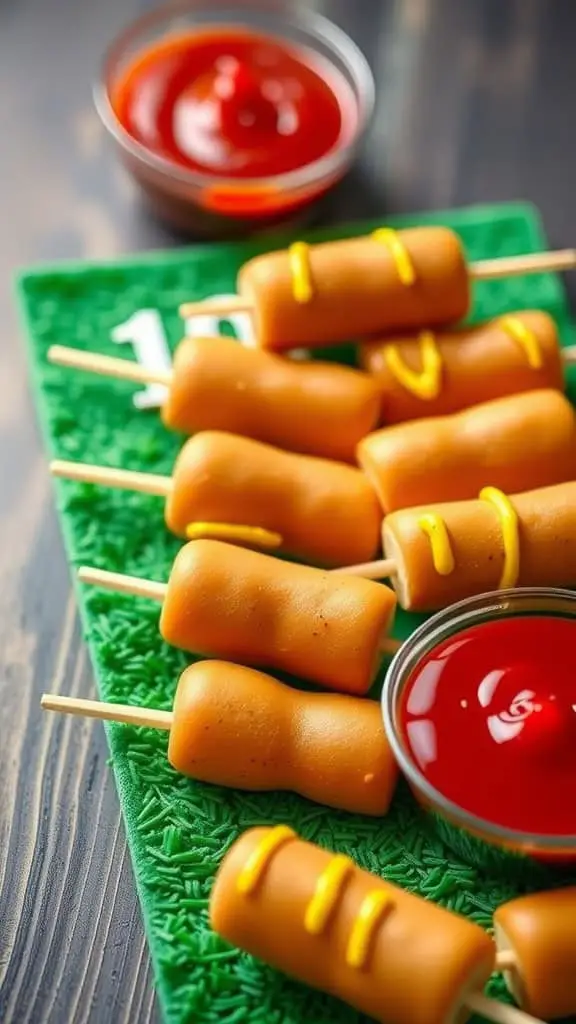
x: 510, y: 539
x: 399, y: 253
x: 260, y: 857
x: 525, y: 337
x: 425, y: 383
x: 435, y: 528
x: 299, y: 257
x: 255, y: 536
x: 328, y: 889
x: 372, y: 909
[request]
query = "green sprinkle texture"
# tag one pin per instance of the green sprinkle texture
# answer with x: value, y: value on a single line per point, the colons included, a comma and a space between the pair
x: 178, y: 830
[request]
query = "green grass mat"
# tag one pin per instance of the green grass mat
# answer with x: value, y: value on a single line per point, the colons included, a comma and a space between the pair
x: 178, y: 830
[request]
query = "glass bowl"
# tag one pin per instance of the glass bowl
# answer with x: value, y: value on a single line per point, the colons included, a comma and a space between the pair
x: 212, y: 205
x: 470, y: 835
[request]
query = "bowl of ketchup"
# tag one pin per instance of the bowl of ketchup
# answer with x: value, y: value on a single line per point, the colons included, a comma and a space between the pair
x: 480, y: 708
x: 234, y: 118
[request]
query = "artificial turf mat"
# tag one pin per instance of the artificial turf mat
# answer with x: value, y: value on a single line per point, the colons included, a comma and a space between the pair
x: 178, y: 830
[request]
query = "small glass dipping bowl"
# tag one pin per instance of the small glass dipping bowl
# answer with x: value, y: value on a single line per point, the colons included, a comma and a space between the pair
x: 214, y: 206
x: 472, y: 837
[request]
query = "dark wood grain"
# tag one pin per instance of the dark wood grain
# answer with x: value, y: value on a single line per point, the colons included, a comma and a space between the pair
x: 475, y: 103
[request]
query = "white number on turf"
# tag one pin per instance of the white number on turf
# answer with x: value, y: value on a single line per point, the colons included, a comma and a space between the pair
x: 209, y: 326
x: 144, y: 330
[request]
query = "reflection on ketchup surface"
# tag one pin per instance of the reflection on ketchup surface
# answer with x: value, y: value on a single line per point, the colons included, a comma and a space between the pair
x: 233, y: 103
x: 489, y: 717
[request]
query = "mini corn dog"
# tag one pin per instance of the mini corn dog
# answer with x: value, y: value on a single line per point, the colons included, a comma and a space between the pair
x: 247, y: 607
x: 217, y: 384
x: 314, y: 295
x: 434, y: 374
x: 439, y: 554
x: 536, y: 936
x: 321, y: 511
x: 515, y: 443
x: 320, y: 918
x: 233, y: 726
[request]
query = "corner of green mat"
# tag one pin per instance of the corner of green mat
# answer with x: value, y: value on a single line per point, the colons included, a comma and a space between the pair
x: 178, y: 830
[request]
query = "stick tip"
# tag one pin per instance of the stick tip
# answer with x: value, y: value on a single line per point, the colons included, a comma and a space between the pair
x: 46, y: 701
x: 59, y: 354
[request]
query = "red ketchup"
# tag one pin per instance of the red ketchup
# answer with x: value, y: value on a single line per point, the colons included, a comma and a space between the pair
x: 489, y: 718
x: 233, y: 104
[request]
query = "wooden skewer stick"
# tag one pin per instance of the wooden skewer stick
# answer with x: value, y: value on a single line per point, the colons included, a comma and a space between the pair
x: 125, y: 479
x: 377, y: 570
x: 121, y: 584
x: 216, y: 307
x: 137, y: 587
x: 568, y: 354
x: 481, y: 270
x: 506, y: 960
x: 123, y: 369
x: 107, y: 366
x: 530, y: 263
x: 390, y: 645
x: 500, y: 1013
x: 152, y: 483
x: 126, y: 713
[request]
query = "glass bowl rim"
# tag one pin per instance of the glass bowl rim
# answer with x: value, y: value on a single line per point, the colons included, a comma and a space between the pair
x: 315, y: 24
x: 429, y: 634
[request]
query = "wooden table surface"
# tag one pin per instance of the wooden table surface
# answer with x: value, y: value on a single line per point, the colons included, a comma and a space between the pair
x: 475, y: 103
